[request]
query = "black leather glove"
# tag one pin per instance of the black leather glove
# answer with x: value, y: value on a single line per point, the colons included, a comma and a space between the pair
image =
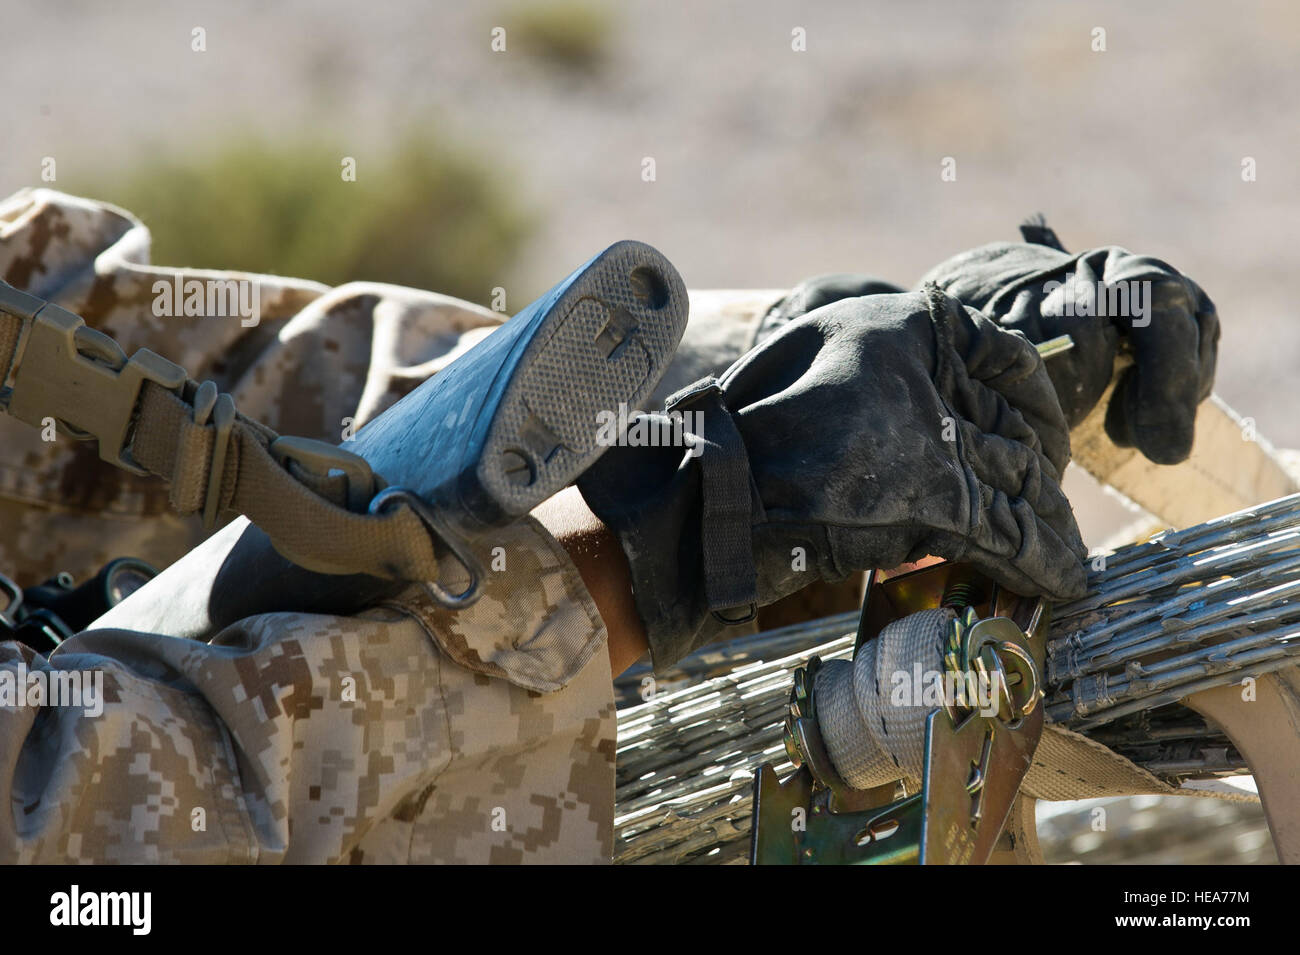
x: 811, y: 294
x: 871, y: 432
x: 1169, y: 324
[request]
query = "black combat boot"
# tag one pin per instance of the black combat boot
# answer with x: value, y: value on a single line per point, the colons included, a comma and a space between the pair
x: 515, y: 419
x: 480, y: 444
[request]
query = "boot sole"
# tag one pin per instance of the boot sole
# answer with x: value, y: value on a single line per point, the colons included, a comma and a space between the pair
x: 602, y: 349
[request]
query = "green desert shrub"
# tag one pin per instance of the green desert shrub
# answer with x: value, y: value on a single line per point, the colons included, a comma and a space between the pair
x: 418, y: 214
x: 571, y: 34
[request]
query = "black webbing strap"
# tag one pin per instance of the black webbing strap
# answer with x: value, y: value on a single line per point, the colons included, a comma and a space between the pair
x: 730, y: 579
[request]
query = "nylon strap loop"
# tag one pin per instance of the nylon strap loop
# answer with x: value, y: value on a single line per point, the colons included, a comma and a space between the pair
x: 165, y: 439
x: 312, y: 531
x: 730, y: 579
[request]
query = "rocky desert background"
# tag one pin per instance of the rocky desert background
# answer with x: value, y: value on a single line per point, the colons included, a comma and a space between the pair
x: 480, y: 168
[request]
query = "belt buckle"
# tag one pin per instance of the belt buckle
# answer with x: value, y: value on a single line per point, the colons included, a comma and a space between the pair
x: 80, y: 378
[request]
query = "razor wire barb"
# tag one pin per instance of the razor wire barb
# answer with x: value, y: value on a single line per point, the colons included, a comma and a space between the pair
x: 1185, y: 611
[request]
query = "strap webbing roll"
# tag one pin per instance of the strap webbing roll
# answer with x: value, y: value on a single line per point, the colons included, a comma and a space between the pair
x: 872, y: 738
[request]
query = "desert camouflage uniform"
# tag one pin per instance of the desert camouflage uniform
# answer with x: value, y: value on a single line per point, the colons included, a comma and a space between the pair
x: 402, y: 734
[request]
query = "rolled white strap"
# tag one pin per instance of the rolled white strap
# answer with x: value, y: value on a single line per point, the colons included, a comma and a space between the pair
x: 872, y: 711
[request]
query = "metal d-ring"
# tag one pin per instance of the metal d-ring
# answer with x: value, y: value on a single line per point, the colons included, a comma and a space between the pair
x: 439, y: 530
x: 1023, y: 664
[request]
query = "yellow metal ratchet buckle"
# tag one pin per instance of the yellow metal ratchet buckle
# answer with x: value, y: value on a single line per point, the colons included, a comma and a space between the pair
x: 974, y: 764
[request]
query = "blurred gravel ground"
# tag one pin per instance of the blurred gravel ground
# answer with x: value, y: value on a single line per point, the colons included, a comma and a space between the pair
x: 1155, y: 830
x: 771, y: 165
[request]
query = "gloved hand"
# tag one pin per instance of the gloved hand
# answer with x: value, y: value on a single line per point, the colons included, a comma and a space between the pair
x: 872, y: 432
x: 1170, y: 326
x: 811, y: 294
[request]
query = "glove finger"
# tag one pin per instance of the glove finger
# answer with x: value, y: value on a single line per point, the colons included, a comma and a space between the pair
x: 811, y: 294
x: 1019, y: 550
x: 988, y: 412
x: 1000, y: 383
x: 1017, y: 473
x: 1207, y: 322
x: 1022, y: 473
x: 1158, y: 397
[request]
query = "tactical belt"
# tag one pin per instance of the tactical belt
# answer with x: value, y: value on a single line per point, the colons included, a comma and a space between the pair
x: 316, y: 502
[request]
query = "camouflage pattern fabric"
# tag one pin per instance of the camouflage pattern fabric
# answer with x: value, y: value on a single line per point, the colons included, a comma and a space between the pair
x: 402, y: 734
x: 318, y: 361
x: 397, y: 735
